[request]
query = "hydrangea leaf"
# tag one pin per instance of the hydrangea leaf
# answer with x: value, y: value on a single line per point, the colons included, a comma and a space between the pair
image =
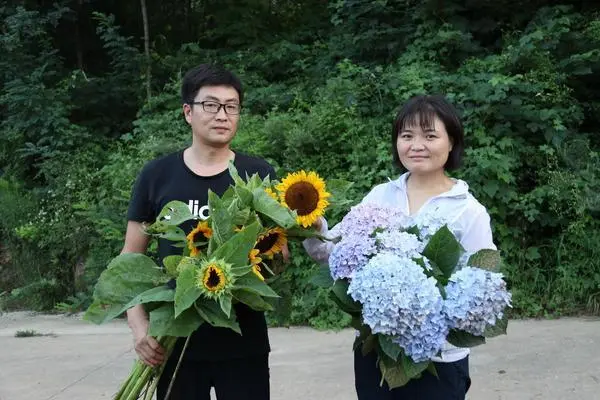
x: 339, y: 294
x: 464, y: 339
x: 486, y: 259
x: 498, y: 329
x: 444, y: 250
x: 322, y: 278
x: 390, y: 348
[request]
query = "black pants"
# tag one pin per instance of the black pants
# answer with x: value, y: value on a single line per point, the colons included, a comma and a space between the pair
x: 453, y: 382
x: 235, y: 379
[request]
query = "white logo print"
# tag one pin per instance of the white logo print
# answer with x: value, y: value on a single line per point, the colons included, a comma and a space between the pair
x: 196, y: 210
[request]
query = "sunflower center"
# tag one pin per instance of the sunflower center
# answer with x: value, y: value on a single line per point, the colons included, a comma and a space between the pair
x: 198, y: 237
x: 213, y: 278
x: 302, y: 197
x: 266, y: 243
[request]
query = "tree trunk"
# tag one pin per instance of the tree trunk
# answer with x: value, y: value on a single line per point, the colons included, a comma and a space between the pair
x: 147, y: 49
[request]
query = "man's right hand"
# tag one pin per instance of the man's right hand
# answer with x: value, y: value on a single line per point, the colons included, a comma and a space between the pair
x: 147, y: 348
x: 149, y: 351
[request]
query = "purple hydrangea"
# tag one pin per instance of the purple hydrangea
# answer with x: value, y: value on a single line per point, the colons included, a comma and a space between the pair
x: 350, y: 255
x: 400, y: 301
x: 364, y: 218
x: 475, y: 299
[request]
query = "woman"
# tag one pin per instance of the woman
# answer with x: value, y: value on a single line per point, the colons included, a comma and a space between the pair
x: 427, y: 138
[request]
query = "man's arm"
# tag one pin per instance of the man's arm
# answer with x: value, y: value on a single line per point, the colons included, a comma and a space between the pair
x: 147, y: 348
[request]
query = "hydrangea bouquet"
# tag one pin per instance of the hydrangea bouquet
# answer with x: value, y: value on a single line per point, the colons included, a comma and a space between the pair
x: 410, y: 288
x: 227, y: 259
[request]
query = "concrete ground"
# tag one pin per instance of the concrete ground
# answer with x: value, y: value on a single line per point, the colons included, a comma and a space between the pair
x: 538, y: 359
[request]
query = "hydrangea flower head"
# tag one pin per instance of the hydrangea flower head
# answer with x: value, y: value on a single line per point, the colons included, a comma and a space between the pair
x: 475, y: 299
x: 400, y: 301
x: 364, y: 218
x: 349, y: 255
x: 399, y: 243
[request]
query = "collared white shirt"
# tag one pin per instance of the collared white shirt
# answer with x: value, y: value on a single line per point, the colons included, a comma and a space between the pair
x: 464, y: 215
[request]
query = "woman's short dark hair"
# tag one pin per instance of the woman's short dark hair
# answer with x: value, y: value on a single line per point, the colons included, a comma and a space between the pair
x: 426, y: 108
x: 208, y: 75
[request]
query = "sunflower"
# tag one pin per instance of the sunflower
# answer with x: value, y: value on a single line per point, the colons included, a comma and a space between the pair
x: 271, y: 242
x: 194, y: 236
x: 214, y: 277
x: 305, y: 193
x: 271, y: 193
x: 255, y: 260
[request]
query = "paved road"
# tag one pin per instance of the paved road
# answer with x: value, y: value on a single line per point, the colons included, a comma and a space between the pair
x: 538, y: 359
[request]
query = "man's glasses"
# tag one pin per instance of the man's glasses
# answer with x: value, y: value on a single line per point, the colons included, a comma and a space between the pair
x: 213, y: 107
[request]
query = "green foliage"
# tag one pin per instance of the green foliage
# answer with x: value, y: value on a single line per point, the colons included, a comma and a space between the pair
x: 322, y: 86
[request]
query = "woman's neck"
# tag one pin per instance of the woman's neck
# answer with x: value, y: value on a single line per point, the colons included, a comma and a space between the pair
x: 434, y: 183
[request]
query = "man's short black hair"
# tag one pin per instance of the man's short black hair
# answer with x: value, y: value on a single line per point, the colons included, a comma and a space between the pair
x: 426, y: 108
x: 208, y: 75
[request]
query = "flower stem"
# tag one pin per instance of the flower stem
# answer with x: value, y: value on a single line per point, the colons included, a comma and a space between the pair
x: 177, y: 368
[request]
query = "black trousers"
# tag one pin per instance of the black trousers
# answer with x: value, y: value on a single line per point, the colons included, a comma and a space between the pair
x: 453, y: 382
x: 235, y: 379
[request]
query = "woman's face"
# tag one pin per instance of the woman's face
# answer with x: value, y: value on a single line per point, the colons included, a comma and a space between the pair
x: 424, y: 151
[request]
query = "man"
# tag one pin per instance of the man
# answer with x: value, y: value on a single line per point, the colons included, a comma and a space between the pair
x: 236, y: 366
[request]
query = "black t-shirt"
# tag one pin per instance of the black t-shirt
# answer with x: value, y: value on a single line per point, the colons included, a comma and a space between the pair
x: 167, y: 179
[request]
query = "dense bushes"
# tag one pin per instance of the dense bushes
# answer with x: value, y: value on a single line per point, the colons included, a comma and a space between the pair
x: 527, y: 88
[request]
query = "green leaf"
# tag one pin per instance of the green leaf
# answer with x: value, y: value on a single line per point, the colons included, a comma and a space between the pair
x: 464, y: 339
x: 444, y: 250
x: 432, y: 370
x: 498, y: 329
x: 171, y: 263
x: 322, y: 278
x: 339, y: 294
x: 252, y: 300
x: 235, y: 175
x: 414, y: 230
x: 164, y: 323
x: 225, y: 303
x: 391, y: 349
x: 339, y: 192
x: 369, y: 344
x: 486, y: 259
x: 173, y: 234
x: 235, y: 251
x: 186, y: 291
x: 244, y: 195
x: 411, y: 368
x: 392, y: 372
x: 254, y: 284
x: 212, y: 313
x: 266, y: 205
x: 127, y: 276
x: 221, y: 221
x: 174, y: 213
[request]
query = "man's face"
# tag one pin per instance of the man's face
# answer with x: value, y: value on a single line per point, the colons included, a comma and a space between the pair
x: 210, y: 128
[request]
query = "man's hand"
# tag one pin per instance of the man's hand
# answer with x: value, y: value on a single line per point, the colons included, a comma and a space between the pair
x: 149, y: 351
x: 147, y: 348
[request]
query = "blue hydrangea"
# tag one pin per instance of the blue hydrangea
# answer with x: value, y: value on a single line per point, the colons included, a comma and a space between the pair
x: 427, y: 223
x: 475, y: 299
x: 349, y: 255
x: 364, y: 218
x: 400, y: 301
x: 400, y: 243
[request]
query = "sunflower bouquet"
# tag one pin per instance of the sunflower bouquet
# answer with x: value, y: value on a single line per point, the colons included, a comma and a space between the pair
x: 224, y: 260
x: 410, y: 289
